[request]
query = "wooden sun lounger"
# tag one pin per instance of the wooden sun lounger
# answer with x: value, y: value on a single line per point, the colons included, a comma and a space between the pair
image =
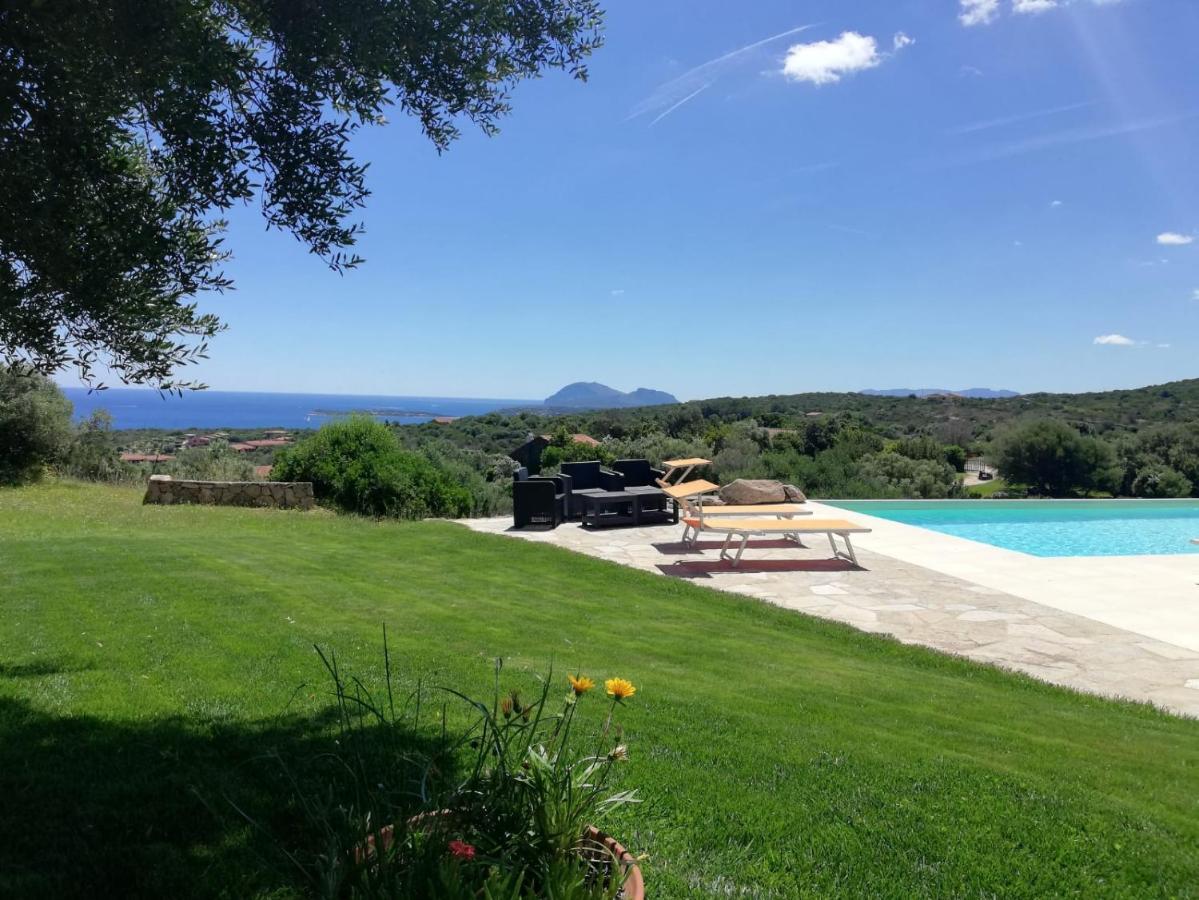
x: 747, y: 528
x: 679, y: 470
x: 689, y: 489
x: 695, y: 509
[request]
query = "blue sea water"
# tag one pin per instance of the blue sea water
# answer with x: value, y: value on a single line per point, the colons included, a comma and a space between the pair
x: 134, y: 408
x: 1053, y: 527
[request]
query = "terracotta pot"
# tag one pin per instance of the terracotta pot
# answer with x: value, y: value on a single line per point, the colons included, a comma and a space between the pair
x: 606, y: 846
x: 634, y: 884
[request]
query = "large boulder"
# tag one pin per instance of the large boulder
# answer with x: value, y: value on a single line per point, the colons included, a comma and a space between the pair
x: 752, y: 491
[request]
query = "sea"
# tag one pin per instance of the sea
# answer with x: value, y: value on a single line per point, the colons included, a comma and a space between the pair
x: 195, y: 410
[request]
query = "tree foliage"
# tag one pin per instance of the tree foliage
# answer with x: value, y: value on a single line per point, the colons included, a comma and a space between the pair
x: 35, y: 425
x: 93, y: 454
x: 1055, y: 459
x: 129, y: 126
x: 1156, y: 480
x: 903, y: 476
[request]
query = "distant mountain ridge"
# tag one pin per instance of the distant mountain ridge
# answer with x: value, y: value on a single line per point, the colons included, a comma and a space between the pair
x: 973, y: 393
x: 593, y: 395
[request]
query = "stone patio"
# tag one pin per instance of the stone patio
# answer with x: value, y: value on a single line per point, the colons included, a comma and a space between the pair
x: 915, y: 603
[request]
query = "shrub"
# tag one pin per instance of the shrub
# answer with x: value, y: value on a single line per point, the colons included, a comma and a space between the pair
x: 930, y: 448
x: 358, y: 466
x: 93, y: 454
x: 905, y: 477
x: 35, y: 425
x: 216, y: 462
x: 572, y: 451
x: 1161, y: 481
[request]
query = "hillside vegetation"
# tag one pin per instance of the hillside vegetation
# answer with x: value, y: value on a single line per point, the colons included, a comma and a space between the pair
x: 1137, y: 443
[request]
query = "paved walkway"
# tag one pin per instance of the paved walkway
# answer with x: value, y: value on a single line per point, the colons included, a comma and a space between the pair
x: 893, y: 594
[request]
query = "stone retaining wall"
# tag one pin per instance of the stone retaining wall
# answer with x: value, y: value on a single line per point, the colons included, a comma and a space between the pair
x: 272, y: 494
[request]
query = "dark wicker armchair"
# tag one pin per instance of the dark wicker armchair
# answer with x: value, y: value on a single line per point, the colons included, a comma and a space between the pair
x: 537, y: 501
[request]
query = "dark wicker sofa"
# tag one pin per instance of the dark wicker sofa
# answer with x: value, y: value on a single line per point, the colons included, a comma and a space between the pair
x: 583, y: 478
x: 642, y: 478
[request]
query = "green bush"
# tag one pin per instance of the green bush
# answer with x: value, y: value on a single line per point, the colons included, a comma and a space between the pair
x: 358, y: 466
x: 1161, y: 481
x: 93, y: 455
x: 35, y: 425
x: 216, y: 462
x: 925, y: 447
x: 903, y: 476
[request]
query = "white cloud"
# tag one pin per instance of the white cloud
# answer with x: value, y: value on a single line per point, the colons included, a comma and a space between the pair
x: 984, y: 12
x: 824, y: 62
x: 1056, y: 203
x: 901, y: 40
x: 978, y: 12
x: 617, y: 292
x: 1114, y: 340
x: 1163, y: 346
x: 1174, y: 239
x: 972, y: 71
x: 1033, y: 6
x: 1195, y: 294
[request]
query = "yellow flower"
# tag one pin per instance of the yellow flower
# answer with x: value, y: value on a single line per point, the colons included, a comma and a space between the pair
x: 580, y: 684
x: 619, y: 688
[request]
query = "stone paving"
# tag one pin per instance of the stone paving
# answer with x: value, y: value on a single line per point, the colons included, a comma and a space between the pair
x: 913, y: 603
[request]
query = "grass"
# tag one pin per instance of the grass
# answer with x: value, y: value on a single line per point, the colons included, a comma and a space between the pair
x: 987, y: 488
x: 150, y: 657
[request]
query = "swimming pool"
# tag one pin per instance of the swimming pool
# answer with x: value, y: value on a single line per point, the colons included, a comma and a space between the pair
x: 1052, y: 527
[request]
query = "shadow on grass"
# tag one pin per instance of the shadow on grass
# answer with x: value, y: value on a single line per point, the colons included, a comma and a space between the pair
x: 38, y: 669
x: 90, y: 807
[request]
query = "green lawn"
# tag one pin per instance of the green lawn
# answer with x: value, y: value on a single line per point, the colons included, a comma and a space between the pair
x: 987, y: 488
x: 149, y: 658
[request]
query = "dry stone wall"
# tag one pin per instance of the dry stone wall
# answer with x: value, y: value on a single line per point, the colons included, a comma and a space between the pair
x: 268, y: 494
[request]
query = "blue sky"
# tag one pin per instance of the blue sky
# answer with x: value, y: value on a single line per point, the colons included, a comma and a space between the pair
x: 770, y: 198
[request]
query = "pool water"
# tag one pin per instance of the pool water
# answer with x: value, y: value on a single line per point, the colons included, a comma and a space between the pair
x: 1052, y: 527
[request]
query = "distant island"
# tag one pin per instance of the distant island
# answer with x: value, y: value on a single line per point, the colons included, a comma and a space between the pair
x: 593, y: 395
x: 973, y: 393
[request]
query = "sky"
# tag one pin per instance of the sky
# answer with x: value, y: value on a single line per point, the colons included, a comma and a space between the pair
x: 772, y: 197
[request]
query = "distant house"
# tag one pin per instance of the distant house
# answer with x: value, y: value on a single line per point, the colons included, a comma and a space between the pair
x: 146, y: 457
x: 197, y: 440
x: 529, y: 453
x: 277, y: 433
x: 444, y: 420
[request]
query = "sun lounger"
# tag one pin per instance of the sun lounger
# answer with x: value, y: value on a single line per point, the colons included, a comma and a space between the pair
x: 678, y: 470
x: 747, y: 528
x: 695, y: 509
x: 689, y: 489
